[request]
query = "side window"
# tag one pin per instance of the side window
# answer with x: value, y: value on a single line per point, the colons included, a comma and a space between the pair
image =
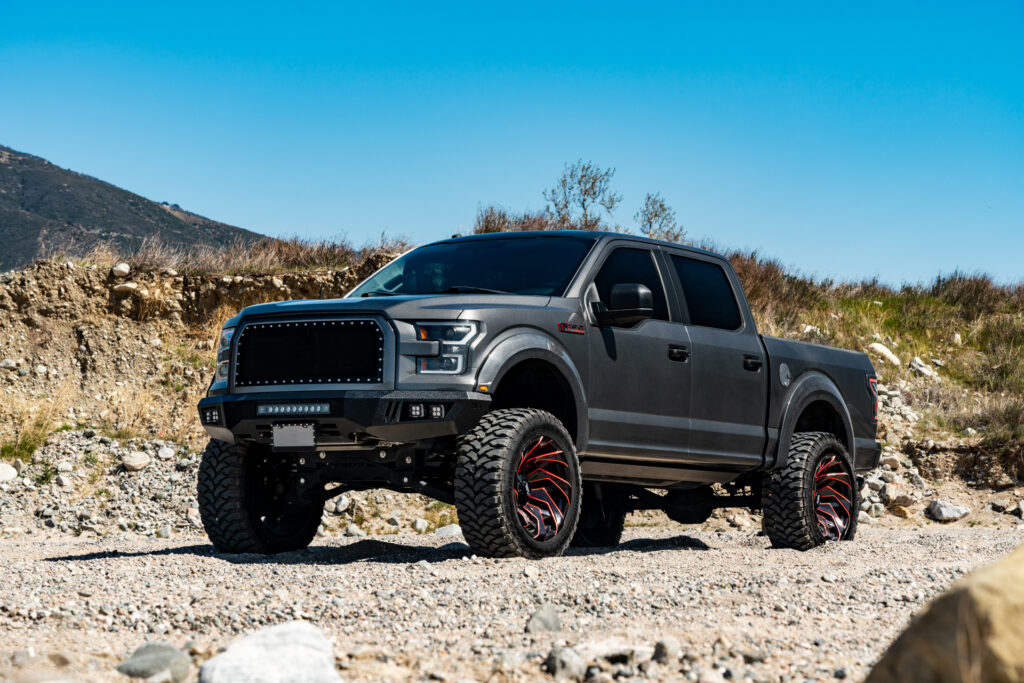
x: 628, y: 266
x: 708, y: 294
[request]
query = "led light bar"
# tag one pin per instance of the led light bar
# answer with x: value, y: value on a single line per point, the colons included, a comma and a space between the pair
x: 293, y: 409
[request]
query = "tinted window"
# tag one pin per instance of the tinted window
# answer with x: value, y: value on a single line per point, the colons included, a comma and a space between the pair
x: 632, y: 266
x: 521, y: 265
x: 708, y: 294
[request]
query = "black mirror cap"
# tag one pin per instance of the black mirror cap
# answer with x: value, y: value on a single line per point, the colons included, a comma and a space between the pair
x: 628, y: 304
x: 631, y: 296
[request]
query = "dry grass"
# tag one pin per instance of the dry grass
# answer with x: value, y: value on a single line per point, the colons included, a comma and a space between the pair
x: 262, y: 257
x: 35, y: 418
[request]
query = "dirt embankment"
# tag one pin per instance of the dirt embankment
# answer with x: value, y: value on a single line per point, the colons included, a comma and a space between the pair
x: 83, y: 345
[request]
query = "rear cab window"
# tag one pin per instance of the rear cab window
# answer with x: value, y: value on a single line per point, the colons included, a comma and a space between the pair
x: 708, y: 293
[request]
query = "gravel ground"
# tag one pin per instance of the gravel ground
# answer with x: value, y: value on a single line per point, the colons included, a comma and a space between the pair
x: 413, y: 606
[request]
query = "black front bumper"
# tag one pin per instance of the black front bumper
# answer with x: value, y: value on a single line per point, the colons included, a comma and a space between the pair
x: 353, y: 416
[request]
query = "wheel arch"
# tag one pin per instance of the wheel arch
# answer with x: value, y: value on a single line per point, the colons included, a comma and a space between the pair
x: 813, y: 403
x: 533, y: 349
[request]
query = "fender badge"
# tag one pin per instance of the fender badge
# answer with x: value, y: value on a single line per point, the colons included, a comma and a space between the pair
x: 784, y: 375
x: 571, y: 328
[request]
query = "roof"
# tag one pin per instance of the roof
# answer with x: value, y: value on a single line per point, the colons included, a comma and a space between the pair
x: 592, y: 234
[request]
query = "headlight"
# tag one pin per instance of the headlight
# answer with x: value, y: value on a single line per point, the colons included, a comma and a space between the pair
x: 224, y: 354
x: 454, y: 338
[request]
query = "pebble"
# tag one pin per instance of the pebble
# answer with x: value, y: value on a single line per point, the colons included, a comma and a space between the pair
x: 121, y: 270
x: 165, y: 453
x: 420, y: 525
x: 135, y: 461
x: 544, y: 619
x: 666, y: 650
x: 565, y: 663
x: 153, y: 659
x: 7, y: 472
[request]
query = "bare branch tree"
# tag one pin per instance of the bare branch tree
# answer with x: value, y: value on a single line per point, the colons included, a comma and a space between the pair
x: 579, y: 195
x: 657, y: 219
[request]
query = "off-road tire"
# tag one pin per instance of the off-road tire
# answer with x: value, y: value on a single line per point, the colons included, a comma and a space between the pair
x: 485, y: 483
x: 231, y: 505
x: 602, y: 517
x: 787, y: 494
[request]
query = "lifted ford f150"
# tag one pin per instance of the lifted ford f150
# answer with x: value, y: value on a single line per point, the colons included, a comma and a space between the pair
x: 546, y: 384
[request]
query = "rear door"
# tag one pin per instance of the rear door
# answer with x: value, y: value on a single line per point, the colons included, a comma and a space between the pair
x: 639, y: 379
x: 727, y: 415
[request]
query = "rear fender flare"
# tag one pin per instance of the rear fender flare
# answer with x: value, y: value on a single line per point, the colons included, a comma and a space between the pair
x: 807, y: 389
x: 521, y: 346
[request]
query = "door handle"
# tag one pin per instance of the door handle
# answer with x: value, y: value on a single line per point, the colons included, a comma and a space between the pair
x: 678, y: 353
x: 752, y: 363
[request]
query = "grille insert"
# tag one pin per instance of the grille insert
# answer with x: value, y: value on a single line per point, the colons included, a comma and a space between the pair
x: 310, y: 352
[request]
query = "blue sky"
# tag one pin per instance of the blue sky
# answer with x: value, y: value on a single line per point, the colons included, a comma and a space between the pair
x: 846, y: 139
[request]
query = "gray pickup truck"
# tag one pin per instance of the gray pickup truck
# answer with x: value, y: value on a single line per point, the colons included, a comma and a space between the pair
x: 546, y: 384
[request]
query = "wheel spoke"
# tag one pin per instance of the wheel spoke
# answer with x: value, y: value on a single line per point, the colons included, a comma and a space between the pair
x: 833, y: 498
x: 542, y: 494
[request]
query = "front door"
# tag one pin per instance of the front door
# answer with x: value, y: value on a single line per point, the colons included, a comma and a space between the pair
x: 639, y: 378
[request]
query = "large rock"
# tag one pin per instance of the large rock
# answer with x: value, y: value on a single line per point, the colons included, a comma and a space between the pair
x: 882, y: 350
x: 7, y: 473
x: 294, y: 652
x: 974, y: 632
x: 944, y: 511
x: 153, y: 659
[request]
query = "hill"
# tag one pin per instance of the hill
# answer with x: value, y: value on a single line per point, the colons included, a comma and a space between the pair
x: 45, y: 209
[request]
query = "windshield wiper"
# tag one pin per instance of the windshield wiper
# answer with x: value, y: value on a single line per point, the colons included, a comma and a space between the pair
x: 379, y: 292
x: 466, y: 289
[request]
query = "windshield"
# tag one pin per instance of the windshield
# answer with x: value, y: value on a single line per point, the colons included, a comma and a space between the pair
x: 523, y: 265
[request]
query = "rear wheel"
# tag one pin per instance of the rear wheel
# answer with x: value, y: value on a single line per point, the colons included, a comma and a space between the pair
x: 518, y: 485
x: 813, y: 498
x: 602, y: 517
x: 245, y: 501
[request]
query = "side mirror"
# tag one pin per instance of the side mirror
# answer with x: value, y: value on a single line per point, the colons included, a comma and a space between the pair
x: 628, y: 304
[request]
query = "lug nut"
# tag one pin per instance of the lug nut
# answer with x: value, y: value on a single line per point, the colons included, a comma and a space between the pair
x: 322, y: 455
x: 383, y: 454
x: 302, y: 461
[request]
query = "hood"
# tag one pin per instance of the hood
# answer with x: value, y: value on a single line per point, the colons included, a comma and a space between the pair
x: 427, y: 307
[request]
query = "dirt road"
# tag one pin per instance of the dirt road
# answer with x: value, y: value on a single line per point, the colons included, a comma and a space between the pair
x: 418, y: 606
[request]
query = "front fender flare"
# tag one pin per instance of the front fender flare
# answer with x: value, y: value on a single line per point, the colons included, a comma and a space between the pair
x: 521, y: 346
x: 808, y: 388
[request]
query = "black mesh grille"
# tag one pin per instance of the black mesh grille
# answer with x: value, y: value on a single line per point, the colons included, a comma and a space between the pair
x: 310, y: 352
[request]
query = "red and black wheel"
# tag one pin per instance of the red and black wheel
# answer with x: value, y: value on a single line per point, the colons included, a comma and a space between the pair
x: 833, y: 497
x: 517, y: 485
x: 813, y: 497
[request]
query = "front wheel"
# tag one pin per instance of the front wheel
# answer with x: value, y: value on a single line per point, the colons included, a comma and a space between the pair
x: 245, y: 502
x: 813, y: 498
x: 517, y: 485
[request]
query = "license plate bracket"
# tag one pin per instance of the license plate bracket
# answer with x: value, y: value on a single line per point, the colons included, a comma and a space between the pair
x: 294, y: 437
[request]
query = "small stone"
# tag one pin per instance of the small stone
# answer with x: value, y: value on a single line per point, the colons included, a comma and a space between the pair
x: 882, y: 350
x: 164, y: 531
x: 63, y: 480
x: 449, y: 530
x: 153, y: 659
x: 890, y: 459
x: 944, y: 511
x: 531, y: 571
x: 354, y: 530
x: 901, y: 511
x: 41, y: 369
x: 921, y: 368
x: 840, y: 673
x: 342, y: 503
x: 121, y: 270
x: 394, y: 519
x: 666, y: 650
x: 544, y: 619
x: 420, y: 525
x: 124, y: 288
x: 998, y: 505
x: 165, y: 453
x: 565, y: 663
x: 8, y: 364
x: 135, y: 461
x: 7, y: 472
